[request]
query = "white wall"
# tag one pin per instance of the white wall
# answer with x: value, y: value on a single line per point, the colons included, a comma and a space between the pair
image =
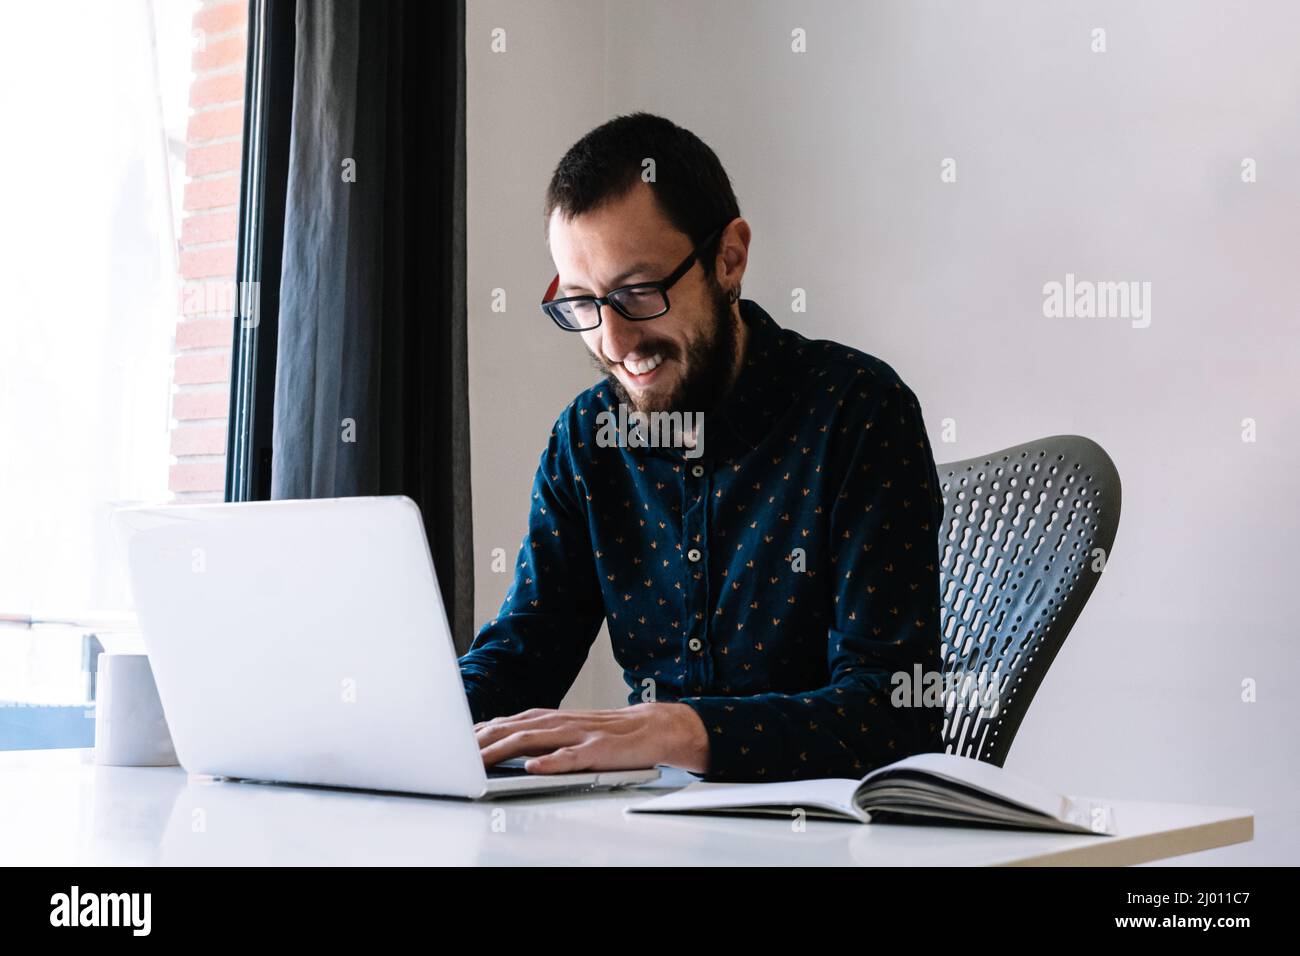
x: 1114, y: 166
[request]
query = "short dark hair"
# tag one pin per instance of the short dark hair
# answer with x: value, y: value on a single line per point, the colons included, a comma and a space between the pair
x: 690, y: 185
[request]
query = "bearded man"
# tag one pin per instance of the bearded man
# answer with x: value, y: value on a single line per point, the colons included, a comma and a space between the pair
x: 765, y: 579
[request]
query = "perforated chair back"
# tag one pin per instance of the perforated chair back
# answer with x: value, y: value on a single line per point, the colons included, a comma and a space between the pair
x: 1026, y: 532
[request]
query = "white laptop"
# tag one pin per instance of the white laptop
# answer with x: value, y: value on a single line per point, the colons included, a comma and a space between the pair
x: 305, y: 642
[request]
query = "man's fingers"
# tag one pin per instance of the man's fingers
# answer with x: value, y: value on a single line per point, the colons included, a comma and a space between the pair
x: 536, y: 713
x: 500, y: 727
x: 520, y: 715
x: 497, y: 728
x: 562, y: 760
x: 538, y: 731
x: 530, y: 743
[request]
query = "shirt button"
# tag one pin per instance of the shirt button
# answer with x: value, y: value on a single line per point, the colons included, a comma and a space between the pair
x: 694, y: 644
x: 698, y: 471
x: 693, y: 554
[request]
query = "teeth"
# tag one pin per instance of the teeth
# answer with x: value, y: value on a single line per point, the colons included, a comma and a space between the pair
x: 642, y: 366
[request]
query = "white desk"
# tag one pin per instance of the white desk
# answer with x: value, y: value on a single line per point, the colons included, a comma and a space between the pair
x: 58, y: 808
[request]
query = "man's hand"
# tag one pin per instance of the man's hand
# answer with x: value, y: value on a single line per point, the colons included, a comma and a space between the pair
x: 629, y: 738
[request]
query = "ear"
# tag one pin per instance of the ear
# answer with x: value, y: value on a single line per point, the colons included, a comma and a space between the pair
x: 733, y: 256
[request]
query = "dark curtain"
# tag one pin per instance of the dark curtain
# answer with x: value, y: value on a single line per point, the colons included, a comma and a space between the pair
x: 370, y: 384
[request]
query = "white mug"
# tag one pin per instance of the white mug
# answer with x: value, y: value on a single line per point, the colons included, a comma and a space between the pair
x: 130, y: 729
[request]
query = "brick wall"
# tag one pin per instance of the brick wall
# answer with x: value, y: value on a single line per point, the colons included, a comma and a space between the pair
x: 201, y: 370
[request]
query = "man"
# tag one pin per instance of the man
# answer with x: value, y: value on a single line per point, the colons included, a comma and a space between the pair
x: 764, y: 577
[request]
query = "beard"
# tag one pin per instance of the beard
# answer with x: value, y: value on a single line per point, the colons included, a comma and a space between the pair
x: 706, y: 371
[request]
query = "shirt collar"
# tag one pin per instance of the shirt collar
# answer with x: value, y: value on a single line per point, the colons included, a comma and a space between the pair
x: 756, y: 400
x: 761, y: 393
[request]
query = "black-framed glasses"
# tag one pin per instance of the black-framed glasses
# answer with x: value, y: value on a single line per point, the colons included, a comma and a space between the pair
x: 644, y: 300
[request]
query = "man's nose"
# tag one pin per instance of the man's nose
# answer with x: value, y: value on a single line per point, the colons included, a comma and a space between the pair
x: 621, y: 334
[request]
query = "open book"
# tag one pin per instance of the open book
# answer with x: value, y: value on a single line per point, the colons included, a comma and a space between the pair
x: 924, y: 788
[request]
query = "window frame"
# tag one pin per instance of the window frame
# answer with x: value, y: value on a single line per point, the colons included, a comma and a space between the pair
x: 264, y: 174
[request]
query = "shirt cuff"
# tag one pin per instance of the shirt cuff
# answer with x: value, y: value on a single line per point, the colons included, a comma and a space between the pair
x: 741, y: 748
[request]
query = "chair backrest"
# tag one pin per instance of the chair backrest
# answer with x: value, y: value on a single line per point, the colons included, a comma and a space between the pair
x: 1026, y: 532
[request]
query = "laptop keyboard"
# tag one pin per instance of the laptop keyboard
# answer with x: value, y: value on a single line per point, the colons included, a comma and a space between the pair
x: 506, y: 771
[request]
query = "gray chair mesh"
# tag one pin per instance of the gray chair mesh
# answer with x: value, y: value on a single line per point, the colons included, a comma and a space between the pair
x: 1025, y: 533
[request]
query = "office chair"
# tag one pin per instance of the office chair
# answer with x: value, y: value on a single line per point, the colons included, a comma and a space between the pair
x: 1026, y: 532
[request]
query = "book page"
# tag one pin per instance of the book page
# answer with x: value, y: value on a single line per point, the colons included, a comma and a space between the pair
x: 981, y: 776
x: 835, y: 794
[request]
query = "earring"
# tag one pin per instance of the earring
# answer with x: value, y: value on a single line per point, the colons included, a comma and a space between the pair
x: 733, y: 295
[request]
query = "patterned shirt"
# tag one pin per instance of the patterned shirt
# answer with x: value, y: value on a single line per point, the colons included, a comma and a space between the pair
x: 775, y: 581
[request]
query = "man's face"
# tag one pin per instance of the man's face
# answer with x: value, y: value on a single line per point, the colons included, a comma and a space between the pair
x: 681, y: 361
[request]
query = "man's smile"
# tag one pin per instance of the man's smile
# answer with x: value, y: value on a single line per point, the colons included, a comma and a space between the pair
x: 640, y: 372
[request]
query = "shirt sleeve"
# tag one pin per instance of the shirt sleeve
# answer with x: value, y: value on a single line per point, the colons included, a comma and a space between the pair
x: 530, y: 654
x: 884, y: 548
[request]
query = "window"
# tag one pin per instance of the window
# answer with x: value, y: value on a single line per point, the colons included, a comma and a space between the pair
x: 119, y: 256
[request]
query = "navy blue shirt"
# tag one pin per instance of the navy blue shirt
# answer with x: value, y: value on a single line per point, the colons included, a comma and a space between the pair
x: 775, y: 582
